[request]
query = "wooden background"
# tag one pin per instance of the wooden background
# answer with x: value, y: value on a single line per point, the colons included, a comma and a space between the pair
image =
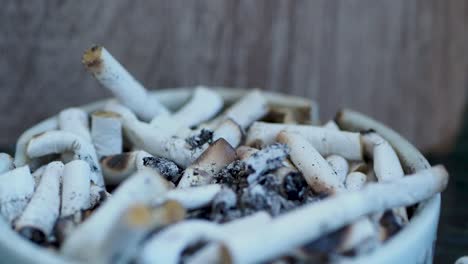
x: 402, y: 61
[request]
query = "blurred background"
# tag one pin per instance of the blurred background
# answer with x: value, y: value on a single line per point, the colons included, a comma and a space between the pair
x: 403, y: 62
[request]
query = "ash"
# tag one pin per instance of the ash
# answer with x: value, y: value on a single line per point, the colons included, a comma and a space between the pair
x: 167, y: 168
x: 198, y: 140
x: 266, y: 192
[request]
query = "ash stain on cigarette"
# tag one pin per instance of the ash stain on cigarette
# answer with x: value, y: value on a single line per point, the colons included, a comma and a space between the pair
x: 117, y: 162
x: 92, y: 59
x: 198, y: 140
x: 33, y: 234
x: 167, y: 168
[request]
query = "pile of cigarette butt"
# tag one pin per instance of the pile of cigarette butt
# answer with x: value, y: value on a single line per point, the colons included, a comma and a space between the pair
x: 210, y: 182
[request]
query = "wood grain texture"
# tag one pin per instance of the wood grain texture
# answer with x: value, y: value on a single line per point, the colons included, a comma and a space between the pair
x: 403, y: 62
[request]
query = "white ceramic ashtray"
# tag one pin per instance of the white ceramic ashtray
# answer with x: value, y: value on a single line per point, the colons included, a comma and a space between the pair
x: 213, y: 175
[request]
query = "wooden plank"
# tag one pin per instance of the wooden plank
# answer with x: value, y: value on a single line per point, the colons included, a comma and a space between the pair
x: 402, y: 62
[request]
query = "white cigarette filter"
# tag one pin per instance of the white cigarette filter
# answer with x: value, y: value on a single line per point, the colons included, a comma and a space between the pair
x: 106, y: 133
x: 133, y: 226
x: 339, y: 165
x: 90, y: 237
x: 112, y: 75
x: 316, y: 170
x: 39, y: 217
x: 21, y: 158
x: 6, y: 163
x: 355, y: 181
x: 326, y: 141
x: 204, y: 104
x: 75, y: 121
x: 16, y: 188
x: 213, y: 159
x: 246, y: 110
x: 192, y: 198
x: 316, y: 219
x: 76, y: 188
x: 230, y: 131
x: 62, y: 141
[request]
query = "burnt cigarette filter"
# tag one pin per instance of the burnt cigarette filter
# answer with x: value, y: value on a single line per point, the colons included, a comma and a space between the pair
x: 210, y: 162
x: 38, y: 219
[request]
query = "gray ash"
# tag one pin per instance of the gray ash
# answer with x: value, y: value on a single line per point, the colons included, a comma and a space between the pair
x: 167, y: 168
x: 233, y: 176
x: 295, y: 188
x: 258, y: 198
x: 268, y: 159
x: 198, y: 140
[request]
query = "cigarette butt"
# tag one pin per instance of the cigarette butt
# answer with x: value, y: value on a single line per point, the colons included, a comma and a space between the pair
x: 16, y: 188
x: 76, y: 188
x: 75, y: 120
x: 316, y: 170
x: 89, y: 238
x: 37, y: 221
x: 325, y: 141
x: 112, y: 75
x: 210, y: 162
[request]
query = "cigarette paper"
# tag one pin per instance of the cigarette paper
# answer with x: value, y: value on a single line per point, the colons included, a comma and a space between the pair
x: 6, y: 163
x: 16, y: 188
x: 339, y: 165
x: 203, y: 105
x: 230, y: 131
x: 194, y: 197
x: 316, y: 170
x: 62, y: 141
x: 89, y: 238
x: 40, y: 215
x: 21, y: 158
x: 112, y: 75
x: 326, y: 141
x: 76, y: 188
x: 75, y: 121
